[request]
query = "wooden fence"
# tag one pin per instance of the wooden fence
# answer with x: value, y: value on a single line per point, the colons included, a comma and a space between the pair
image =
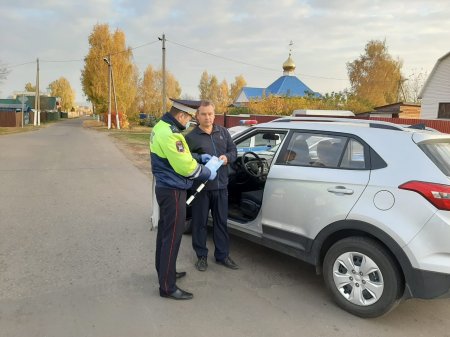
x: 10, y: 119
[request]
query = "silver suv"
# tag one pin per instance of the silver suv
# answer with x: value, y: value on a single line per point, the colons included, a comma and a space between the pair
x: 367, y: 203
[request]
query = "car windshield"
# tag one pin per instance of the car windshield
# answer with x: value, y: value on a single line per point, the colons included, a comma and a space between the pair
x: 439, y: 152
x: 237, y: 129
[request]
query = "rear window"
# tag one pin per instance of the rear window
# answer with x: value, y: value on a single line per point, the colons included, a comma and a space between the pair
x: 439, y: 153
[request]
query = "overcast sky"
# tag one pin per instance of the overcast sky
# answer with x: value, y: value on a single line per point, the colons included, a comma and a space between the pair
x: 256, y: 34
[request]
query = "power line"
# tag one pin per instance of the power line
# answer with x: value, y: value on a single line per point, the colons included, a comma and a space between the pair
x: 145, y: 44
x: 18, y: 65
x: 183, y: 46
x: 81, y: 60
x: 222, y: 57
x: 126, y: 50
x: 60, y: 61
x: 250, y: 64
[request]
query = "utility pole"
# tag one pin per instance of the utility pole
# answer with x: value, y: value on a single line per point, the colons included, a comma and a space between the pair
x: 108, y: 62
x: 115, y: 99
x: 23, y: 105
x: 37, y: 100
x: 163, y: 39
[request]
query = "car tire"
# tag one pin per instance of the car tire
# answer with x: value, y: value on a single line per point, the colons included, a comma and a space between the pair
x: 362, y: 277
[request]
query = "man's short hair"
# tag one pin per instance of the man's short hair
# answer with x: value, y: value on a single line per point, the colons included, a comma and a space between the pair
x: 205, y: 103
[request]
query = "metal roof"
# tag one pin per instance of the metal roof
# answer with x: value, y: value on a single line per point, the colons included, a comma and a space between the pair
x: 432, y: 74
x: 9, y: 101
x: 285, y: 85
x: 288, y: 86
x: 253, y: 92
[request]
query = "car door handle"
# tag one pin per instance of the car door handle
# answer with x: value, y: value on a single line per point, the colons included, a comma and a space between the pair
x: 340, y: 190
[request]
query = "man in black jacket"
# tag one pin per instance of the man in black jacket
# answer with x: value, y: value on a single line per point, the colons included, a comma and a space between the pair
x: 215, y: 140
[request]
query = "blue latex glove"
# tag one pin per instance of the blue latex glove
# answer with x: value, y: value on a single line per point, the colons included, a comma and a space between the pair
x: 212, y: 175
x: 204, y: 158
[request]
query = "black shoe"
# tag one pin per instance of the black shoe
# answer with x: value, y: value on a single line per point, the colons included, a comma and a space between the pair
x: 180, y: 274
x: 202, y: 263
x: 178, y: 294
x: 228, y: 262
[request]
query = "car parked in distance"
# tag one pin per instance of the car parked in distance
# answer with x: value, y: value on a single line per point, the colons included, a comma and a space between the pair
x: 366, y: 202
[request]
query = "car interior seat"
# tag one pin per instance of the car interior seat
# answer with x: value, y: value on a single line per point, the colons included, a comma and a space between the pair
x: 300, y: 151
x: 327, y: 153
x: 251, y: 202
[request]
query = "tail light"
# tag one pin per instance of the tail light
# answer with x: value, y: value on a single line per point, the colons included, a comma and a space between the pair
x: 437, y: 194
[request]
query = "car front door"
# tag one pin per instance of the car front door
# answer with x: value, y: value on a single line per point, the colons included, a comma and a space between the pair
x: 316, y: 180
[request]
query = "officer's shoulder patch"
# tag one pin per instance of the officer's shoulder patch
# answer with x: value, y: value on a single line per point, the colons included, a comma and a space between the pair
x: 174, y: 129
x: 180, y: 146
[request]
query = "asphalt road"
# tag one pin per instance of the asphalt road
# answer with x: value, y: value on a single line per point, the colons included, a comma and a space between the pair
x: 77, y: 256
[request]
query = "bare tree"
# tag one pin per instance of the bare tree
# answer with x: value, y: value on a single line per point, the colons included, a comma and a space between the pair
x: 4, y: 71
x: 413, y: 85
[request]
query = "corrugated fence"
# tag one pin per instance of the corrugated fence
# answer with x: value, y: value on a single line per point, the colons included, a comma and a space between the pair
x: 438, y: 124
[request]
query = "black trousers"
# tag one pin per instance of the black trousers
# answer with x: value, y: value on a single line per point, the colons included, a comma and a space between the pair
x: 172, y: 216
x: 217, y: 202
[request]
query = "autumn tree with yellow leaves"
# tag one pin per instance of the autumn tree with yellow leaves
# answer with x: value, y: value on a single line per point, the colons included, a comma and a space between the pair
x: 150, y: 91
x: 236, y: 86
x: 94, y: 76
x: 375, y: 77
x: 30, y: 87
x: 61, y: 88
x: 220, y: 94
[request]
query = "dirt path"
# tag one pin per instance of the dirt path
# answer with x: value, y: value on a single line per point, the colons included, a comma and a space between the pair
x: 136, y: 150
x: 138, y: 153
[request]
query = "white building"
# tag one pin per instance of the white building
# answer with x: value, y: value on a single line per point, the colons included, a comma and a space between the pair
x: 435, y: 93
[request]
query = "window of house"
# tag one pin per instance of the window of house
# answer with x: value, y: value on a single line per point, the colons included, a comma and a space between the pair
x: 444, y: 110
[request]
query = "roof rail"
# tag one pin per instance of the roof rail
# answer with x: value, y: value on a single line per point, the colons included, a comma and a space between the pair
x: 420, y: 126
x: 371, y: 123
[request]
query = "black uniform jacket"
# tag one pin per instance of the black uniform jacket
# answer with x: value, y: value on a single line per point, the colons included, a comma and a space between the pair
x: 217, y: 143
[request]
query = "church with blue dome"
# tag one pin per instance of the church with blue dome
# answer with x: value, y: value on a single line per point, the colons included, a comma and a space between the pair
x: 287, y: 85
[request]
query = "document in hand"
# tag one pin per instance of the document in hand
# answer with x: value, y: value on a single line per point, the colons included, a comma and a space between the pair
x: 214, y: 163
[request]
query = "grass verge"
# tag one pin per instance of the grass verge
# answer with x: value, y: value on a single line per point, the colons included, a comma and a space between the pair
x: 11, y: 130
x: 133, y: 142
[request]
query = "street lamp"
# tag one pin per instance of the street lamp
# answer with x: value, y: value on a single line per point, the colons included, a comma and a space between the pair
x: 107, y: 61
x: 111, y: 79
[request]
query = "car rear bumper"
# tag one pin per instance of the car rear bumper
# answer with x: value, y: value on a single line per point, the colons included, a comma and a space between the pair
x: 427, y: 284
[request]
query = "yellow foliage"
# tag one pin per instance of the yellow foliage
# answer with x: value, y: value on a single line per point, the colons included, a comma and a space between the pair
x: 284, y: 106
x: 94, y: 76
x: 150, y: 91
x: 61, y: 88
x: 375, y: 76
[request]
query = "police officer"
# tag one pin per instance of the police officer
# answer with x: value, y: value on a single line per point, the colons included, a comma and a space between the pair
x: 174, y: 170
x: 212, y: 139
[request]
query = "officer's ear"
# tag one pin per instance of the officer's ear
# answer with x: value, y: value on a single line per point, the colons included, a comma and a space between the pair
x: 179, y: 115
